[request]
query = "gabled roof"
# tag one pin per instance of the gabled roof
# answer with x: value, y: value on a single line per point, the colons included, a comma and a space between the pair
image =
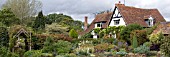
x: 133, y: 15
x: 130, y: 15
x: 104, y: 17
x: 163, y: 27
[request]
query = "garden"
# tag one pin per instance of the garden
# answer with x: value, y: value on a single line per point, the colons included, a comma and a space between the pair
x: 23, y: 34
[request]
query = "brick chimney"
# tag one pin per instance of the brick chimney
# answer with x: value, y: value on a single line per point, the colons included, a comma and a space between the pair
x: 119, y: 2
x: 85, y: 22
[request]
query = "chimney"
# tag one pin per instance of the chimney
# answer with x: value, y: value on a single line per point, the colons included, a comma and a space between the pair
x: 85, y: 23
x: 119, y: 2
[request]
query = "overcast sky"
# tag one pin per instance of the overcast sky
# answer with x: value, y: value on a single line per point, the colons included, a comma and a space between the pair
x: 80, y: 8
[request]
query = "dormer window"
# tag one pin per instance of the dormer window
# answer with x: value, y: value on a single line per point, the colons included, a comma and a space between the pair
x: 150, y: 21
x: 99, y: 24
x: 116, y: 22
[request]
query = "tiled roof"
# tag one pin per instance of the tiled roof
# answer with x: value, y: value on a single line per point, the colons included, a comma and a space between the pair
x: 163, y: 27
x: 104, y: 17
x: 133, y: 15
x: 130, y: 15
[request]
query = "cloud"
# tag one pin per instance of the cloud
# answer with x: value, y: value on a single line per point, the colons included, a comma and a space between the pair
x: 80, y: 8
x: 1, y: 3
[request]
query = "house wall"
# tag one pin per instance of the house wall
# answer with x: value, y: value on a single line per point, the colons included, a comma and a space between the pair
x: 121, y: 23
x: 117, y: 16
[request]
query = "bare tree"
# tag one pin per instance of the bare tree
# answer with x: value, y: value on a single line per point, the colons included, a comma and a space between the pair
x: 23, y: 9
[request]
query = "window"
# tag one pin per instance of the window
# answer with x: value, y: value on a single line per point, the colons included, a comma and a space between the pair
x: 149, y: 22
x: 116, y: 22
x: 98, y: 24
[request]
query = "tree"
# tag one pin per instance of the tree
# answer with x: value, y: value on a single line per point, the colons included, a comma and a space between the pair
x: 55, y: 28
x: 4, y: 37
x: 40, y: 22
x: 135, y: 42
x: 23, y: 9
x: 8, y: 18
x: 125, y: 33
x: 73, y: 33
x: 65, y: 20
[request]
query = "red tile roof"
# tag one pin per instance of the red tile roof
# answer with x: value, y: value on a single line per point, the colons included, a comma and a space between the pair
x: 133, y: 15
x: 130, y: 15
x: 163, y: 27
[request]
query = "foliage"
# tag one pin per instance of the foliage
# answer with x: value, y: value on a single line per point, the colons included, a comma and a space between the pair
x: 4, y: 37
x: 143, y: 49
x: 156, y: 38
x: 8, y: 18
x: 103, y: 47
x: 87, y: 35
x: 148, y: 44
x: 63, y: 47
x: 13, y: 30
x: 40, y: 21
x: 4, y: 52
x: 33, y: 53
x: 29, y: 8
x: 55, y: 28
x: 65, y: 20
x: 125, y: 33
x: 122, y: 52
x: 150, y: 30
x: 48, y: 45
x: 97, y: 30
x: 165, y: 46
x: 73, y: 33
x: 140, y: 35
x: 70, y: 55
x: 135, y: 42
x: 110, y: 32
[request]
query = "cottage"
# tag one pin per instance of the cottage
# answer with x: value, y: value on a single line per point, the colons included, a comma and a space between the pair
x: 124, y: 15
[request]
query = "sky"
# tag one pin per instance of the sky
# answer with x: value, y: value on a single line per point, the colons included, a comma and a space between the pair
x: 78, y: 9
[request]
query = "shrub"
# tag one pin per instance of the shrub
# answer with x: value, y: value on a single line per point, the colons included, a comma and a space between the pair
x: 102, y: 47
x: 63, y: 47
x: 122, y: 52
x: 135, y: 42
x: 143, y: 49
x: 140, y: 35
x: 33, y: 53
x: 125, y: 33
x: 165, y: 46
x: 4, y: 52
x: 73, y: 33
x: 4, y: 37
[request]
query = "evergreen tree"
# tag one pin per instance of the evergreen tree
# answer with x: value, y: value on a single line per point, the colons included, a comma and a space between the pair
x: 40, y: 21
x: 135, y: 42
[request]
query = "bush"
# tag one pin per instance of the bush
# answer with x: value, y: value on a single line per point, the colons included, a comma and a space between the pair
x: 122, y: 52
x: 125, y: 33
x: 4, y: 37
x: 102, y: 47
x: 140, y: 35
x: 165, y: 46
x: 33, y: 53
x: 4, y: 52
x: 143, y: 49
x: 73, y: 33
x: 135, y: 42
